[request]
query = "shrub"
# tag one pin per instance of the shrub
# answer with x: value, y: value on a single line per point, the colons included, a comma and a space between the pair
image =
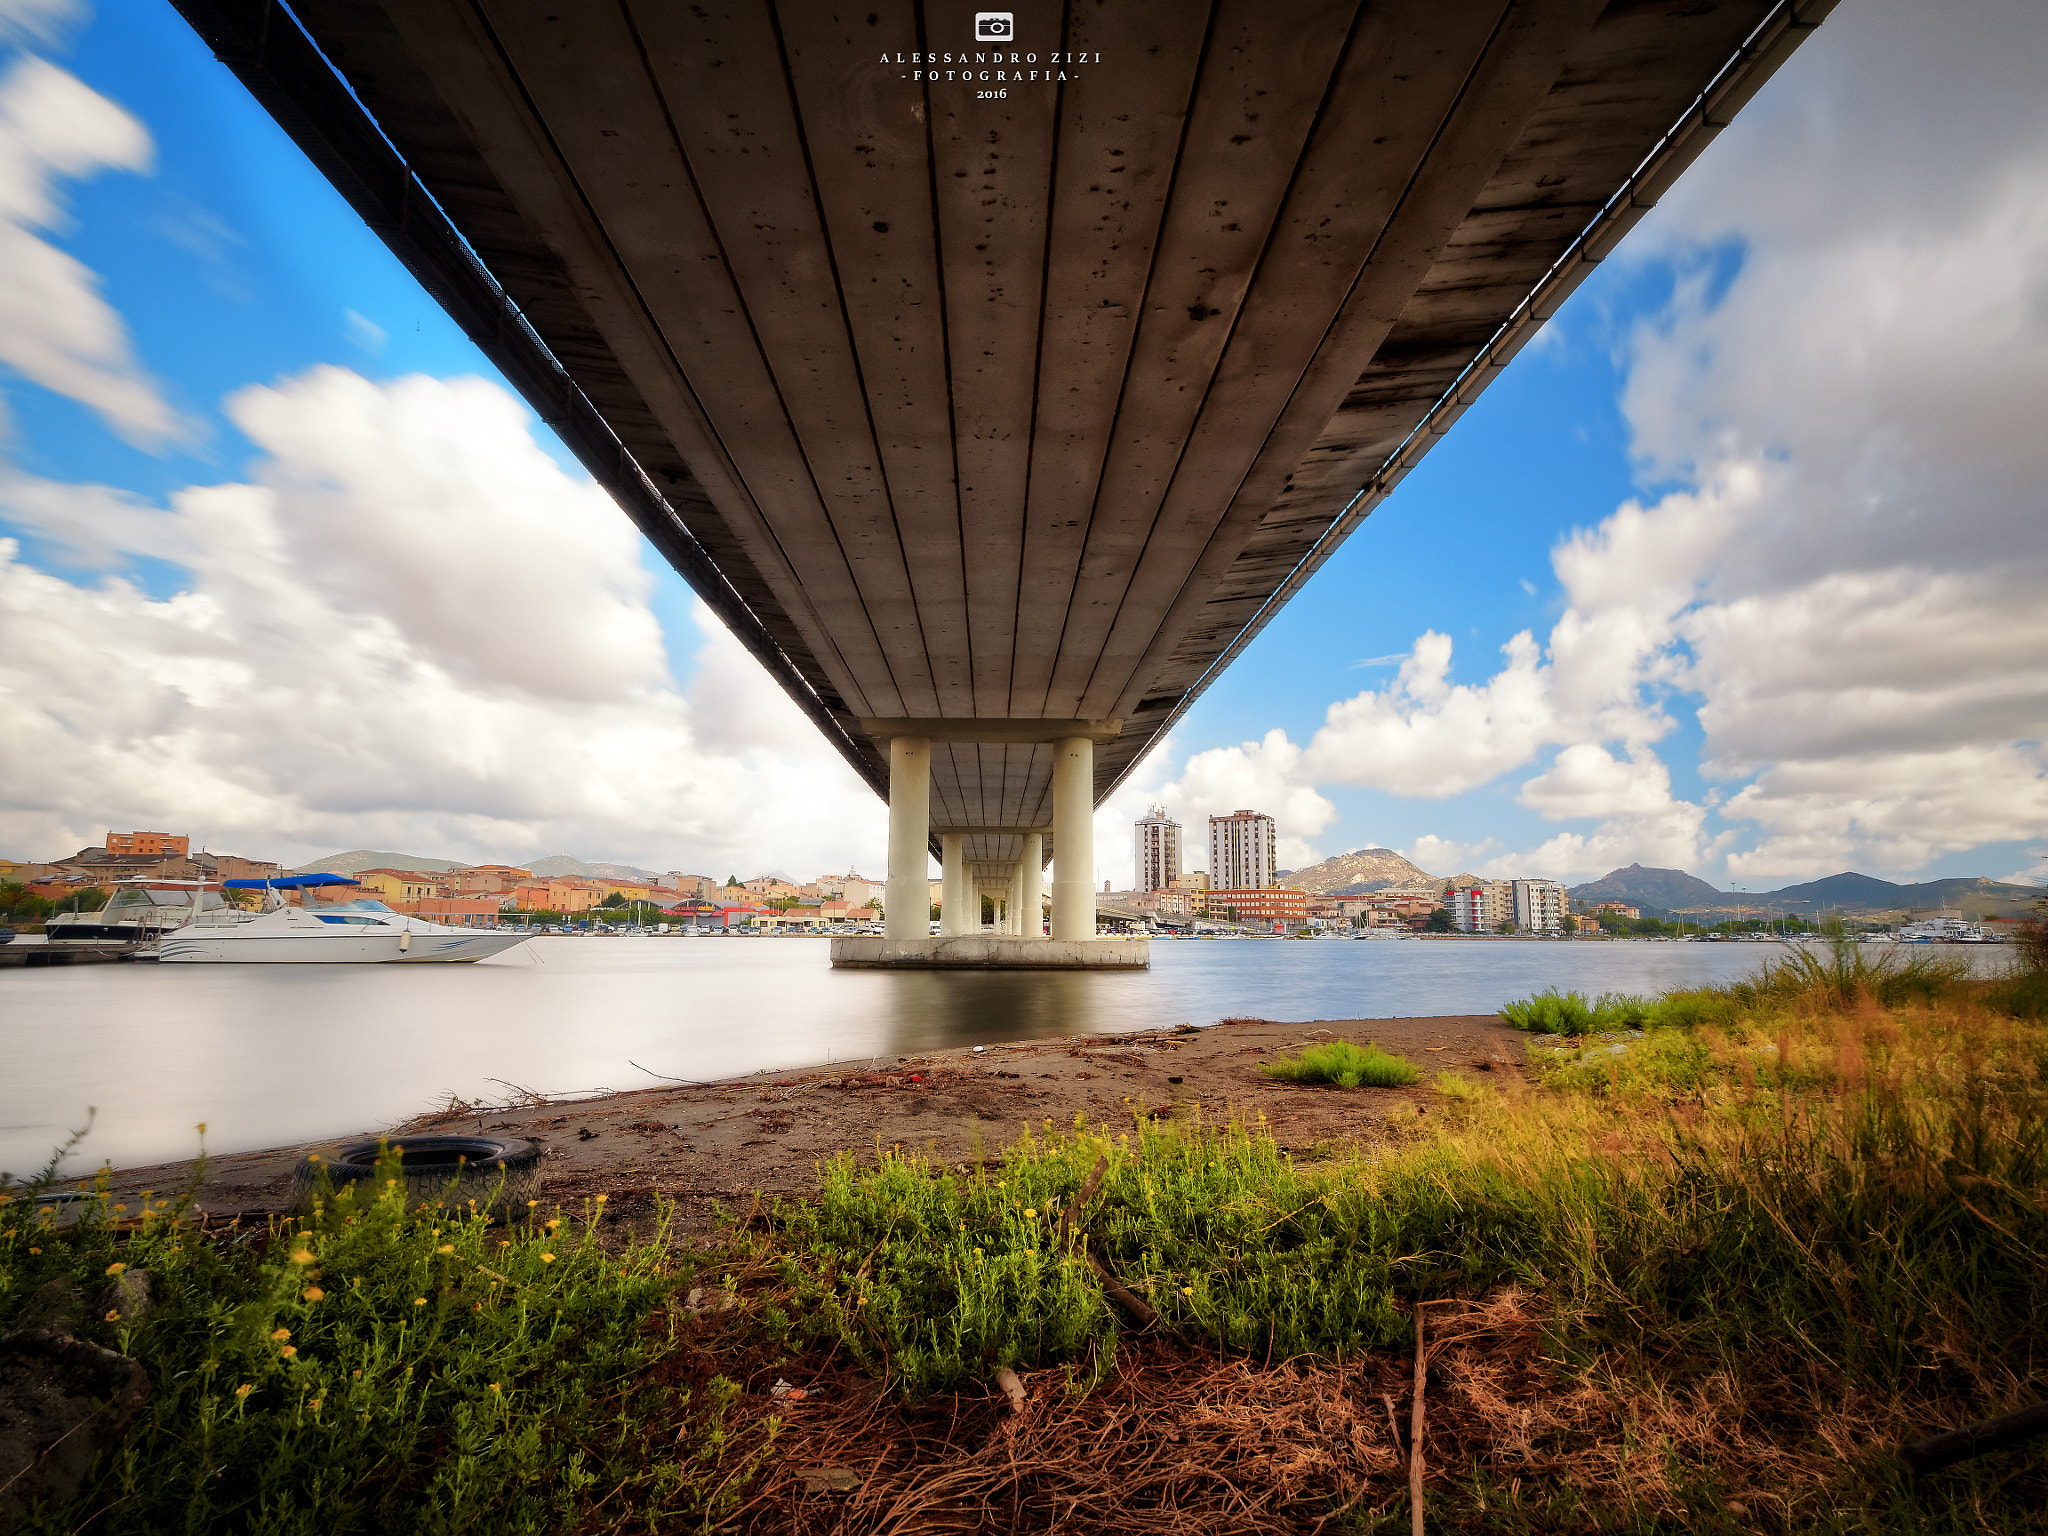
x: 1346, y: 1065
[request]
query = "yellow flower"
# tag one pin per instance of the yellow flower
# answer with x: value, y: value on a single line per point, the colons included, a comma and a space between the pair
x: 504, y: 1242
x: 281, y: 1334
x: 419, y: 1301
x: 977, y: 1253
x: 1030, y: 1214
x: 315, y: 1404
x: 120, y: 1207
x: 314, y: 1293
x: 477, y: 1307
x: 113, y: 1317
x: 302, y: 1256
x: 494, y: 1386
x: 547, y: 1258
x: 445, y: 1248
x: 1187, y: 1290
x: 35, y: 1250
x: 602, y: 1198
x: 115, y: 1269
x: 289, y: 1350
x: 554, y: 1224
x: 244, y: 1390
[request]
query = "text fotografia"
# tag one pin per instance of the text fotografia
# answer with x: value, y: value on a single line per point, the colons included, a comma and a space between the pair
x: 993, y: 67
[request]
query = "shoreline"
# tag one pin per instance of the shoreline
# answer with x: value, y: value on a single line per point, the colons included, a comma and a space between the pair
x: 766, y: 1132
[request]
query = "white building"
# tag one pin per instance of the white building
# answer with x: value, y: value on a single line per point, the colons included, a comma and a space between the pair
x: 1539, y: 906
x: 1157, y: 850
x: 1242, y: 852
x: 1471, y: 908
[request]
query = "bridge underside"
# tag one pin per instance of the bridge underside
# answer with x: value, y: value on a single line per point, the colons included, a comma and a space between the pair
x: 975, y: 399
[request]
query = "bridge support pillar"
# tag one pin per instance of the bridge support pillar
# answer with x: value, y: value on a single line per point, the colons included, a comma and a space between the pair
x: 1031, y: 886
x: 1013, y: 905
x: 906, y: 899
x: 959, y: 909
x: 1073, y: 838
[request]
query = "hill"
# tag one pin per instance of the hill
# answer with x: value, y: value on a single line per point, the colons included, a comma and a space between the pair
x: 1973, y: 896
x: 354, y: 863
x: 1659, y: 892
x: 562, y: 864
x: 1653, y: 890
x: 1360, y: 872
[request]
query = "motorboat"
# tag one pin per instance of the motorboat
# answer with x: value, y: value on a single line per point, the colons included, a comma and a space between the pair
x: 1941, y: 930
x: 362, y: 931
x: 139, y: 912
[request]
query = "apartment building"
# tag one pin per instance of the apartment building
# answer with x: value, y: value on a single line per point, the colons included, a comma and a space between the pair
x: 1242, y: 852
x: 1156, y: 850
x: 1539, y: 906
x: 1258, y: 906
x: 158, y: 845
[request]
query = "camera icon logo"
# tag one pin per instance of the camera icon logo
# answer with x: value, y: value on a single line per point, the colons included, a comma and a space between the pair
x: 995, y: 27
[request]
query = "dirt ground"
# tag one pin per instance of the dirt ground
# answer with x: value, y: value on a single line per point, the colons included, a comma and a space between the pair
x: 710, y: 1143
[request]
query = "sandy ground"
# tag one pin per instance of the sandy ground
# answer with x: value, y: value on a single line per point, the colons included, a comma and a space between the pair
x: 704, y: 1144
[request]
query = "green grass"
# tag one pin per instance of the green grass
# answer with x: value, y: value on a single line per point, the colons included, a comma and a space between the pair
x: 369, y: 1371
x: 1346, y: 1065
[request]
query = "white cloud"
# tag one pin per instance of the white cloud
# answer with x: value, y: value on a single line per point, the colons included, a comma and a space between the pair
x: 363, y: 332
x: 38, y: 21
x: 55, y: 329
x: 1424, y: 735
x: 407, y: 628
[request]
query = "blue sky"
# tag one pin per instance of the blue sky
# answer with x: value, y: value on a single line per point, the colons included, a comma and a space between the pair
x: 1744, y: 724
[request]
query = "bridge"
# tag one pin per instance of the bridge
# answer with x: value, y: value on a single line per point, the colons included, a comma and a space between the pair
x: 996, y: 377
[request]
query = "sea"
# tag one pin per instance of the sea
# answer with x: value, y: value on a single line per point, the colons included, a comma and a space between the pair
x: 268, y: 1056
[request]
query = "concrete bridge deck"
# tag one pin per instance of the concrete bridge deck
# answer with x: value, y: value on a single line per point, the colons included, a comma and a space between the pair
x: 997, y: 392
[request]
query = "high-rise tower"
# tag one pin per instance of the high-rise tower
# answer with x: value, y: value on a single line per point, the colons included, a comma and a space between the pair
x: 1158, y: 850
x: 1242, y: 851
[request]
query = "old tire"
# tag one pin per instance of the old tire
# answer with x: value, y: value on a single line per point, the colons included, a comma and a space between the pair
x: 500, y: 1176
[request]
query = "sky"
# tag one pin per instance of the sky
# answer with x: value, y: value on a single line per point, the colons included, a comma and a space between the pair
x: 1739, y: 568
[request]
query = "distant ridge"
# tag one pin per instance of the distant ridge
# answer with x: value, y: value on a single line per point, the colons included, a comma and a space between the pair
x: 368, y: 858
x: 562, y: 864
x: 1663, y: 891
x: 1359, y: 873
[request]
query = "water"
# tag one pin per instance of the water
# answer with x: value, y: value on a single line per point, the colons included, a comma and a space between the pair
x: 269, y: 1055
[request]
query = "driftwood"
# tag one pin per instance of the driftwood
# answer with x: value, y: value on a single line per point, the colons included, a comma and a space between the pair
x: 1138, y: 1311
x: 1986, y: 1435
x: 1081, y: 1197
x: 1415, y: 1432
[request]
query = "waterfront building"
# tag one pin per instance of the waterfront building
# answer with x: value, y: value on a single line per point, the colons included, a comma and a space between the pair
x: 1618, y: 909
x: 1539, y: 906
x: 489, y: 879
x: 1259, y: 906
x: 1471, y: 908
x: 1156, y: 851
x: 398, y: 888
x: 1242, y: 852
x: 154, y: 844
x: 456, y: 911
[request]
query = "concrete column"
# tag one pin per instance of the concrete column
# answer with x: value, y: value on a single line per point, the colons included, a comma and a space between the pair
x: 1013, y: 904
x: 953, y: 883
x: 1031, y: 882
x: 906, y: 899
x: 1073, y: 838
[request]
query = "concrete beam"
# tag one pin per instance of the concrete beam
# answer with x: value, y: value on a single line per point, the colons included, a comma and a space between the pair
x: 997, y: 733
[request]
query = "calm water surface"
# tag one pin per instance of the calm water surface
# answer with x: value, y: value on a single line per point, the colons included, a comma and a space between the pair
x: 268, y: 1055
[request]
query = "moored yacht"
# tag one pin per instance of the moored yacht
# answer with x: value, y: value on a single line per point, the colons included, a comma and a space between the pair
x: 359, y: 932
x: 139, y: 912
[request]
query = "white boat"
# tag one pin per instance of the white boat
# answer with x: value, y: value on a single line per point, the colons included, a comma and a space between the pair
x: 1941, y: 930
x: 359, y: 932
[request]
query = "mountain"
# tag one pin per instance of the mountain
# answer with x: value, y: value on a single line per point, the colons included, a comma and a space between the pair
x: 562, y: 864
x: 368, y: 858
x: 1972, y: 896
x: 1663, y: 891
x: 1659, y: 890
x: 1360, y: 872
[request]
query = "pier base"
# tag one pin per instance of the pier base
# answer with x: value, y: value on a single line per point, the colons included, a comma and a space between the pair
x: 990, y: 952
